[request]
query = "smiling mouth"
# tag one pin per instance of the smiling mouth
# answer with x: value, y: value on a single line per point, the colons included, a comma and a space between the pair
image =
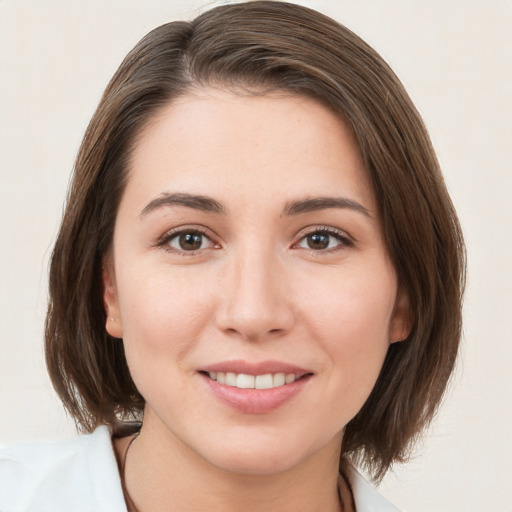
x: 245, y: 381
x: 255, y: 388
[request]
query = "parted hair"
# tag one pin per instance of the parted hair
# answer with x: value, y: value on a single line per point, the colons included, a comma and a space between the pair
x: 257, y: 47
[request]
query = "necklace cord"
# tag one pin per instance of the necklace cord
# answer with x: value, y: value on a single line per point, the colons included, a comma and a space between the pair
x: 127, y: 498
x: 132, y: 508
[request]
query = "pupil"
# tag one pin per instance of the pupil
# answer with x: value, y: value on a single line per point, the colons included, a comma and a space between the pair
x: 190, y: 241
x: 318, y: 241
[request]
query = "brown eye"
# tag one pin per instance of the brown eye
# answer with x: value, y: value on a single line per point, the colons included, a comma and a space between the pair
x: 189, y: 241
x: 318, y: 241
x: 324, y: 241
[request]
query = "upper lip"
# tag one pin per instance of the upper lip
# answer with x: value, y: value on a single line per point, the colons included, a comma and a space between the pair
x: 255, y: 368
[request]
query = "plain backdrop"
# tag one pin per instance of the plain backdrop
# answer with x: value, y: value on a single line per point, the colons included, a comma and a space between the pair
x: 455, y: 59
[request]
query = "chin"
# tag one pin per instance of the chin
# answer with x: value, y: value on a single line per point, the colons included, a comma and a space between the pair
x: 259, y: 457
x: 253, y: 463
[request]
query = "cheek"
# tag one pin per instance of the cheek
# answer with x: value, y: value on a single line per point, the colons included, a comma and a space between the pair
x: 352, y: 304
x: 163, y: 315
x: 163, y: 311
x: 351, y: 317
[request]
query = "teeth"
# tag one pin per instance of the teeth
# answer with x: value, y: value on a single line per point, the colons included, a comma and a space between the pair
x: 279, y: 379
x: 264, y: 381
x: 290, y: 378
x: 231, y: 379
x: 244, y: 381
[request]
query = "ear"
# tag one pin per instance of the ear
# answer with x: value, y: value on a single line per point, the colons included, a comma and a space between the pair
x: 110, y: 302
x: 401, y: 320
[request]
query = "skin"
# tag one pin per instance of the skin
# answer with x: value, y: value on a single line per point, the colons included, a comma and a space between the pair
x: 256, y: 289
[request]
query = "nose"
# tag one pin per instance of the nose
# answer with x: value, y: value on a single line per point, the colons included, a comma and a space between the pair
x: 255, y: 303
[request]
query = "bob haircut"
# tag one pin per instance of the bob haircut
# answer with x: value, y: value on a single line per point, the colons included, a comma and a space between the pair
x: 260, y: 47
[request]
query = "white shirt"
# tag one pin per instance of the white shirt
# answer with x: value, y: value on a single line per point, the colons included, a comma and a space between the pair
x: 81, y: 475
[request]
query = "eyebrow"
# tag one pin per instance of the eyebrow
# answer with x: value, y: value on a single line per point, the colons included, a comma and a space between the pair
x: 323, y: 203
x: 197, y: 202
x: 210, y: 205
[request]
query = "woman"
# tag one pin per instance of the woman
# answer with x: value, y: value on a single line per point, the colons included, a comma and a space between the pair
x: 259, y: 260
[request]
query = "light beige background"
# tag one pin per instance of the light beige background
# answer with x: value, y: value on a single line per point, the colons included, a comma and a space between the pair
x: 454, y: 57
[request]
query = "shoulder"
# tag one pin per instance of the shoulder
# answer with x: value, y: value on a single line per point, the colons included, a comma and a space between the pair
x: 366, y: 498
x: 74, y: 475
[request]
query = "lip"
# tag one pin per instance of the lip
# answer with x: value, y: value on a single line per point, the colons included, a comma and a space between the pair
x: 255, y: 401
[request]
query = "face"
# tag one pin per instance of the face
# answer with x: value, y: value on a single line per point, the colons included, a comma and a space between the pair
x: 249, y: 280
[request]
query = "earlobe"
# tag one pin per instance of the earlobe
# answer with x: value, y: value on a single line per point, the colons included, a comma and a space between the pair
x: 113, y: 323
x: 401, y: 321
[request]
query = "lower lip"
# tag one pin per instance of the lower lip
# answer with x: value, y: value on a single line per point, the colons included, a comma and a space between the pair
x: 256, y: 401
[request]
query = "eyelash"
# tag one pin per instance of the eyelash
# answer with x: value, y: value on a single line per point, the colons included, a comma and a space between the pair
x: 344, y: 240
x: 165, y: 240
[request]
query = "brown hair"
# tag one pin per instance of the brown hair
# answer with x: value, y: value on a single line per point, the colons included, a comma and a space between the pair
x: 266, y: 45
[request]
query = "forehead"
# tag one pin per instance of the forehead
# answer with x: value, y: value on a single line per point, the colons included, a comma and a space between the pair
x: 232, y: 146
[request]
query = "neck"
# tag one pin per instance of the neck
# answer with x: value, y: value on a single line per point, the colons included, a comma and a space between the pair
x: 162, y: 474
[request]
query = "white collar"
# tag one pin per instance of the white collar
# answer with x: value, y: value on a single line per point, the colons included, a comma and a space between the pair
x: 51, y: 476
x: 366, y: 498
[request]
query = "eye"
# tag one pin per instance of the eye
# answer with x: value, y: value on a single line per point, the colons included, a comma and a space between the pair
x: 187, y: 241
x: 324, y: 240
